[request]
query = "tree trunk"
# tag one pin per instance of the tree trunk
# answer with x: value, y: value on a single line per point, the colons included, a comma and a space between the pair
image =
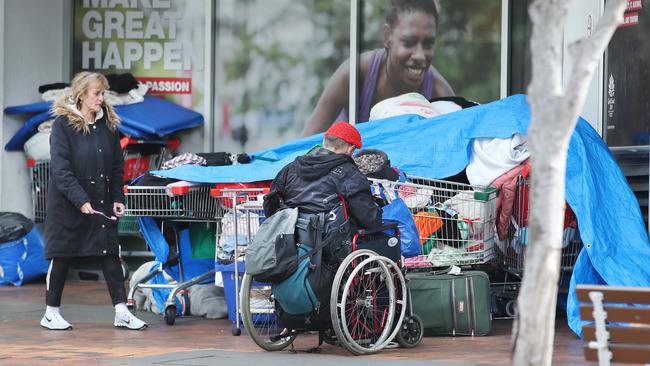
x: 554, y: 114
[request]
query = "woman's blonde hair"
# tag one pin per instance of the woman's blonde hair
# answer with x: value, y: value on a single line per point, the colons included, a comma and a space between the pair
x: 80, y: 85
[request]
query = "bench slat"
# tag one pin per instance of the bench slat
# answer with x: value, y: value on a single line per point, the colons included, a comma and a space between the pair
x: 629, y: 295
x: 619, y: 334
x: 622, y: 353
x: 618, y: 314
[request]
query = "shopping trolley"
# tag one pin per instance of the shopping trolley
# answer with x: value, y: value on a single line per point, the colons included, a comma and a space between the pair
x: 179, y: 201
x: 39, y: 173
x: 455, y: 221
x: 240, y: 215
x: 511, y: 252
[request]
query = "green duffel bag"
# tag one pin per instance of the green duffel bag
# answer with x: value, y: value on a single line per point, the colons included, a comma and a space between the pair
x: 451, y: 305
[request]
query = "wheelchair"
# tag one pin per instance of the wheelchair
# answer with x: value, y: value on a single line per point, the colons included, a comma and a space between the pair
x: 369, y: 307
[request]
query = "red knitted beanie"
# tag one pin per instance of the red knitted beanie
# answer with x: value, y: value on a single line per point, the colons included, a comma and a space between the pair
x: 345, y: 132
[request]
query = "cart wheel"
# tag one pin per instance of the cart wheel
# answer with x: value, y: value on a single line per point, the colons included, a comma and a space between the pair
x: 170, y: 314
x: 411, y: 332
x: 236, y: 331
x: 511, y: 308
x: 185, y: 301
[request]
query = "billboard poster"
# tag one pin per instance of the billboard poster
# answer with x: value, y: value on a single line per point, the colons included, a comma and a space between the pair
x: 160, y: 42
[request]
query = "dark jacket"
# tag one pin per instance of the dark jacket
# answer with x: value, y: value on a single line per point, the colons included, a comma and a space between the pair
x: 85, y: 167
x: 310, y: 179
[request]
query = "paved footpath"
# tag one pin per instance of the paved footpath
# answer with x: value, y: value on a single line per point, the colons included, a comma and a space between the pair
x: 195, y: 341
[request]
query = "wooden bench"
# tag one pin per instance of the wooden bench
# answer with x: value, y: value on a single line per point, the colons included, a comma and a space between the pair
x: 605, y: 342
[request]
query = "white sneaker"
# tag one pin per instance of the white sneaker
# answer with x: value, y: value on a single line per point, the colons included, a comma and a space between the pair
x: 54, y: 321
x: 124, y: 319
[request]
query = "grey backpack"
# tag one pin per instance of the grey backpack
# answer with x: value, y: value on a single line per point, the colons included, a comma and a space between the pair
x: 272, y: 254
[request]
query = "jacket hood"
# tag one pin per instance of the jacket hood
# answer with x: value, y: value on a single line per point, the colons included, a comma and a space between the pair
x: 62, y: 107
x: 320, y: 162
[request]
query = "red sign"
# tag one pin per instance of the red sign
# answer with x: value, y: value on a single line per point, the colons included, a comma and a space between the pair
x: 630, y: 19
x: 167, y: 85
x: 634, y: 5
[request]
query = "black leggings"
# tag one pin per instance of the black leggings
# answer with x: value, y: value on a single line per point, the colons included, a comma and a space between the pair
x: 58, y: 272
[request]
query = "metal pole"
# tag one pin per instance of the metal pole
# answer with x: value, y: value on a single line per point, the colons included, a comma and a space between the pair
x: 236, y: 260
x: 354, y: 61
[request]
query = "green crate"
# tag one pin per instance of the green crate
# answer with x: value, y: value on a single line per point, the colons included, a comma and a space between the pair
x: 128, y: 225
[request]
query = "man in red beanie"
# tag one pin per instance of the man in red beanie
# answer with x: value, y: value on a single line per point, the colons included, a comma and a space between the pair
x: 316, y: 184
x: 309, y: 181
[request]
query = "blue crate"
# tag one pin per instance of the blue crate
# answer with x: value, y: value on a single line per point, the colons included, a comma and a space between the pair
x: 228, y: 275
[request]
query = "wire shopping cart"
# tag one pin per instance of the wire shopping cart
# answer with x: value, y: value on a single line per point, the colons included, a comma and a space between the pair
x: 241, y: 214
x: 455, y: 221
x: 180, y: 201
x: 39, y: 173
x: 511, y: 251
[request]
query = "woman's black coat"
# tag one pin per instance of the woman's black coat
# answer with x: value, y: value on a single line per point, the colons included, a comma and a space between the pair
x: 85, y: 167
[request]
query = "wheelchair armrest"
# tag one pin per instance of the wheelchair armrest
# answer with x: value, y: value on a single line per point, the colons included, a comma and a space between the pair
x: 386, y: 226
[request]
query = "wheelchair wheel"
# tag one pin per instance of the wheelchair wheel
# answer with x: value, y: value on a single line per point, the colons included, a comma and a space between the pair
x: 258, y: 315
x: 362, y: 304
x: 401, y: 293
x: 411, y: 332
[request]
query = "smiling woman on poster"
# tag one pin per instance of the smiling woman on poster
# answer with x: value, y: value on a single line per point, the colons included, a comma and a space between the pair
x: 402, y: 66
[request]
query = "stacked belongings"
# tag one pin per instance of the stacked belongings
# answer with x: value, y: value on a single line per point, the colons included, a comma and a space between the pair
x: 142, y: 117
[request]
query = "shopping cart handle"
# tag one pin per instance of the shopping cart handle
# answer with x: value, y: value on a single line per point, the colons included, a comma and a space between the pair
x: 386, y: 226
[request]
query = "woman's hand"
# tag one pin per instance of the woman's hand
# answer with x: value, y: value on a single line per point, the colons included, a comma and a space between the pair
x: 86, y: 208
x: 118, y: 208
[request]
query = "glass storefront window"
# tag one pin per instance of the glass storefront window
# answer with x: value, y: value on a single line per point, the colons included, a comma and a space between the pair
x: 272, y: 61
x: 519, y: 54
x: 627, y: 80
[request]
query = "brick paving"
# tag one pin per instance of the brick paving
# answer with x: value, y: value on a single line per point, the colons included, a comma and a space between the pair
x: 199, y: 341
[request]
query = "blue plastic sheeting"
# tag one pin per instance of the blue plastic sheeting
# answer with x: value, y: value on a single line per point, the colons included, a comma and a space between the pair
x: 436, y: 147
x: 149, y: 120
x: 26, y: 131
x: 616, y: 252
x: 157, y: 116
x: 616, y: 249
x: 30, y: 127
x: 29, y: 108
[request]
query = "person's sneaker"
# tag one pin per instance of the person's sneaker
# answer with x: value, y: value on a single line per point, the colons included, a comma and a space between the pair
x: 124, y: 319
x: 54, y: 321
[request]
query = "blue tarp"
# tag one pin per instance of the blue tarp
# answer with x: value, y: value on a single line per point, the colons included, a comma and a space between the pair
x: 157, y: 116
x: 616, y: 249
x: 437, y: 147
x: 151, y: 119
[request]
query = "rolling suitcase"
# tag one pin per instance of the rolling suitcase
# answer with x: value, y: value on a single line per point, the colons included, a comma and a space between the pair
x: 452, y: 304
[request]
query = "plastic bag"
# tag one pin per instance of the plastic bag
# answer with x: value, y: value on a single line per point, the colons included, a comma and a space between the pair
x: 399, y: 212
